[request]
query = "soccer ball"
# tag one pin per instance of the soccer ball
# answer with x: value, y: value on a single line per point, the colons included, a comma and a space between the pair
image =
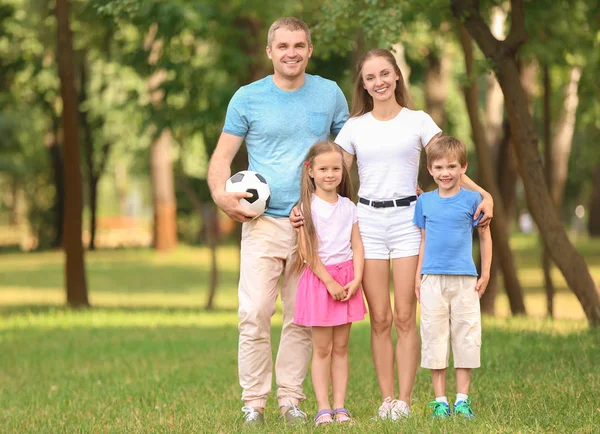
x: 251, y: 182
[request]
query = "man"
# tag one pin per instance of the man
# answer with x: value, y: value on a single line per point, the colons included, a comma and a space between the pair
x: 280, y: 117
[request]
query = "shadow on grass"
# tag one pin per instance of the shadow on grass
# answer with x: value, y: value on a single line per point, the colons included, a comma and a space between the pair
x: 45, y: 309
x: 124, y: 276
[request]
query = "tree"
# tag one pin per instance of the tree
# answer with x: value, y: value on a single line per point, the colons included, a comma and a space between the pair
x: 75, y: 266
x: 499, y: 229
x: 502, y: 54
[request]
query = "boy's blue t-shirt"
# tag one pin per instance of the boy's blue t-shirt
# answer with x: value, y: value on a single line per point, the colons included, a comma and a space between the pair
x: 280, y: 127
x: 448, y: 224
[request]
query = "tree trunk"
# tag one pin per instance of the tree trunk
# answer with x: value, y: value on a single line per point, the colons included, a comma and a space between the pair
x: 547, y: 115
x: 163, y: 193
x: 498, y: 227
x: 494, y: 101
x: 75, y: 265
x: 212, y: 238
x: 502, y: 54
x: 59, y: 173
x: 161, y: 165
x: 88, y: 146
x: 594, y: 218
x: 438, y: 74
x: 494, y: 117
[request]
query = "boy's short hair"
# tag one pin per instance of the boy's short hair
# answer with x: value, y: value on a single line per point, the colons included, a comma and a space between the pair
x: 289, y: 23
x: 446, y: 147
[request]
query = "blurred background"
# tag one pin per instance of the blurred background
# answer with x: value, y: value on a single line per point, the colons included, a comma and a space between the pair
x: 145, y: 87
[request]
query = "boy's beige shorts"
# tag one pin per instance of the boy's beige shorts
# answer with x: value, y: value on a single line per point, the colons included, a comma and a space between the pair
x: 450, y: 313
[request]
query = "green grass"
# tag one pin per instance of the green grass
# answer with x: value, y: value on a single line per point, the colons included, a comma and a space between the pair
x: 147, y: 358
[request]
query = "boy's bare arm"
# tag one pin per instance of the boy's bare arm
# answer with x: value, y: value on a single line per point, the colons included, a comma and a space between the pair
x: 485, y: 246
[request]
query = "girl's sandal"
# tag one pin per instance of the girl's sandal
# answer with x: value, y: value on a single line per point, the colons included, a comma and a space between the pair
x: 343, y: 416
x: 324, y: 416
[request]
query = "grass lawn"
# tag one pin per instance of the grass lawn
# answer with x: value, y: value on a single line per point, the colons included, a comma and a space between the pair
x: 147, y: 358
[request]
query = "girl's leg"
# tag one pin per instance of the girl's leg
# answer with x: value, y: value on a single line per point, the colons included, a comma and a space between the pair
x: 322, y: 343
x: 376, y: 283
x: 339, y: 364
x: 405, y: 312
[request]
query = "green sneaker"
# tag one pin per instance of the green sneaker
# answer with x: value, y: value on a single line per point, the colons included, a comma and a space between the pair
x: 294, y: 415
x: 441, y: 410
x: 252, y: 416
x: 463, y: 408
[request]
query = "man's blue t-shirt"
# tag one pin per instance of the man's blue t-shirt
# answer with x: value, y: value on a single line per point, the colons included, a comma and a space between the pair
x: 280, y: 127
x: 448, y: 224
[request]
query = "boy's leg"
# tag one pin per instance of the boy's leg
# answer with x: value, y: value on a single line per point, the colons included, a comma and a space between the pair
x: 435, y: 330
x: 260, y: 270
x: 438, y: 378
x: 466, y: 337
x: 465, y: 321
x: 463, y: 380
x: 322, y: 338
x: 295, y: 346
x: 339, y: 364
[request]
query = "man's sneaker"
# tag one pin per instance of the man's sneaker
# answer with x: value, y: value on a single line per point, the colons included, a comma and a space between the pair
x: 385, y: 410
x: 252, y: 416
x: 294, y: 415
x: 441, y: 410
x: 399, y: 410
x: 463, y: 408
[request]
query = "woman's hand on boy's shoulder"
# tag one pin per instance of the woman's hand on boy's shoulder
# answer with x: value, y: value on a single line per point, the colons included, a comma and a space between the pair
x: 486, y: 206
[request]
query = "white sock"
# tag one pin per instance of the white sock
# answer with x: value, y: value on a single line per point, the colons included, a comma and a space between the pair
x: 460, y: 397
x: 442, y: 399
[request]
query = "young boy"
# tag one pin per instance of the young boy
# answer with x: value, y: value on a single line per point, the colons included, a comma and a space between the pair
x: 446, y: 282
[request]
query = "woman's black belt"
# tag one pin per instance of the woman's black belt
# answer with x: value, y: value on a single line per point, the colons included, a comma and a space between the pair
x: 405, y: 201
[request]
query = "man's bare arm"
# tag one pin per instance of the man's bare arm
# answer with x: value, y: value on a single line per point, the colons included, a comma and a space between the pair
x: 219, y: 170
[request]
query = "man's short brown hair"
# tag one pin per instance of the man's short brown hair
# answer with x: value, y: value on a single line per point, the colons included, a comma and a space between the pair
x: 446, y: 147
x: 289, y: 23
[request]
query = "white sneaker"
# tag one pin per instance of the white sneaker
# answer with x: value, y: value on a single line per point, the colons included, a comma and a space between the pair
x: 399, y: 409
x: 385, y: 410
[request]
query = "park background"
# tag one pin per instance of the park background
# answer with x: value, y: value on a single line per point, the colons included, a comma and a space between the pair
x: 118, y: 275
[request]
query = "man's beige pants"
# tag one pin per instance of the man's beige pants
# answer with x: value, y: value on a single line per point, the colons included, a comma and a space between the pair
x: 267, y: 253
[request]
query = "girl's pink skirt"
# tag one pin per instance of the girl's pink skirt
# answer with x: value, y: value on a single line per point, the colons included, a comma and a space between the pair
x: 316, y: 307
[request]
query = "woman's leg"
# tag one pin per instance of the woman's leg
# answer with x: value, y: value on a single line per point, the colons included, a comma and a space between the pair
x: 405, y: 307
x: 322, y: 343
x: 376, y: 283
x: 339, y: 364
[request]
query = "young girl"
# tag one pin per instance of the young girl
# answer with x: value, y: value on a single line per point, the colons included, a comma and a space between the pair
x: 329, y: 297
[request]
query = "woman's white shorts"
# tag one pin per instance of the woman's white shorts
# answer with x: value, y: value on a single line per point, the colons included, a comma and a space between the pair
x: 388, y: 233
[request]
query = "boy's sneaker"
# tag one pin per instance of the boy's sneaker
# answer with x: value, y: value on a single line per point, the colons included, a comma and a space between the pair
x: 400, y: 409
x: 441, y: 410
x: 294, y: 415
x: 463, y: 408
x: 252, y: 416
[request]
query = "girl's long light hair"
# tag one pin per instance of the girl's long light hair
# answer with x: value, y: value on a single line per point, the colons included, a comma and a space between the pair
x: 308, y: 243
x: 362, y: 102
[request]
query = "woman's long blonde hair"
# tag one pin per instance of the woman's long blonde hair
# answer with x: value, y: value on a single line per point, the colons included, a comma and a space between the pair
x: 362, y: 102
x: 308, y: 243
